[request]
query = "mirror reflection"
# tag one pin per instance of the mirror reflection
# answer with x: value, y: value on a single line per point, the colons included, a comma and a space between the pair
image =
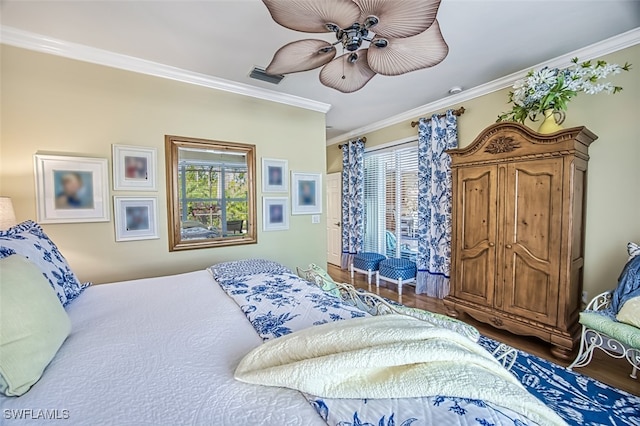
x: 213, y: 184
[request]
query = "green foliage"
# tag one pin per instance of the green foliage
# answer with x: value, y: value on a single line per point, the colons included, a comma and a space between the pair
x: 204, y: 194
x: 547, y: 88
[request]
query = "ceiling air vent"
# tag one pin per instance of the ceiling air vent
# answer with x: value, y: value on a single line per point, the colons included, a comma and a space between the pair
x: 260, y: 74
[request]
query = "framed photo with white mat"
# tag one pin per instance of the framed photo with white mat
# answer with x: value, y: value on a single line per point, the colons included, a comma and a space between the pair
x: 134, y: 168
x: 275, y: 213
x: 136, y: 218
x: 306, y: 193
x: 71, y: 189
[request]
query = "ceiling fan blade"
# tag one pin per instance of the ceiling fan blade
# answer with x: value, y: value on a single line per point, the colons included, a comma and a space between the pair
x: 403, y: 55
x: 346, y: 76
x: 302, y: 55
x: 399, y: 18
x: 311, y: 16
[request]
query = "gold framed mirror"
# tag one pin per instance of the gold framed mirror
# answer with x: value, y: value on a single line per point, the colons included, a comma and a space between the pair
x: 211, y: 193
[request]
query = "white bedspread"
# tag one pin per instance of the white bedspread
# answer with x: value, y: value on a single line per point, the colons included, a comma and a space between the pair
x: 160, y: 351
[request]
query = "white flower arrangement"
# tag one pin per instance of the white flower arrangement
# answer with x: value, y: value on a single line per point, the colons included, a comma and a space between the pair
x: 553, y: 88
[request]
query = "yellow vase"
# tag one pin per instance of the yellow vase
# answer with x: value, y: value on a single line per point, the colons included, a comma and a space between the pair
x: 552, y: 122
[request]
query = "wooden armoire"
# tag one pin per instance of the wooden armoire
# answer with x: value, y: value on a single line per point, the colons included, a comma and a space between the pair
x: 518, y: 231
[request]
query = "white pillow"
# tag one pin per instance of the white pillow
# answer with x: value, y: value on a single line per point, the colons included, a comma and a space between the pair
x: 630, y: 312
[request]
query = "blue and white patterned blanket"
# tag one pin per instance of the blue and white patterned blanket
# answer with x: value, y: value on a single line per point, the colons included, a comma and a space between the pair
x: 276, y: 302
x: 578, y: 399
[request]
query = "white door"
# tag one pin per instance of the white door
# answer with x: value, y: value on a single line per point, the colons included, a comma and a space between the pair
x: 334, y: 218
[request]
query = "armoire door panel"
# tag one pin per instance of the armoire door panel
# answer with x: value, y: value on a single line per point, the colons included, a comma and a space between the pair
x: 474, y: 273
x: 532, y: 288
x: 533, y: 222
x: 476, y: 235
x: 533, y: 200
x: 476, y: 208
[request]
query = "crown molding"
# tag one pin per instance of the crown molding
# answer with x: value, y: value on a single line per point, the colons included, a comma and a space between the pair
x: 596, y: 50
x: 40, y: 43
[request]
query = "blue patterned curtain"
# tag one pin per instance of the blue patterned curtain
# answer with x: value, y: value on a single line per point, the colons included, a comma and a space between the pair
x: 435, y: 136
x: 352, y: 200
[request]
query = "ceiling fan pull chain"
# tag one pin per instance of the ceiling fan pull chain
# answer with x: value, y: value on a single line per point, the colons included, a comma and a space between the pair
x: 344, y: 77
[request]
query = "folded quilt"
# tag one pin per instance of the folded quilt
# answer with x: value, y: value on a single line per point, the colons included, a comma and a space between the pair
x: 226, y: 271
x: 388, y: 356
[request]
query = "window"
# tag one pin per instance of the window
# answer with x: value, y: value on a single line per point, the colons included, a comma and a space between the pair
x: 212, y: 198
x: 391, y: 201
x: 214, y: 192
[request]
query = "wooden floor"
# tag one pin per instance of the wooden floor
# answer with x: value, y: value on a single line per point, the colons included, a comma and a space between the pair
x: 614, y: 372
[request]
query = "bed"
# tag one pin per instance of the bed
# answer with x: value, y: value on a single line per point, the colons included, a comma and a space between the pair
x: 159, y: 351
x: 194, y: 230
x: 164, y: 350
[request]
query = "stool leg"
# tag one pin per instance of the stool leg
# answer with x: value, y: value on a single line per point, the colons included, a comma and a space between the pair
x: 352, y: 271
x: 370, y: 273
x: 378, y: 280
x: 400, y: 287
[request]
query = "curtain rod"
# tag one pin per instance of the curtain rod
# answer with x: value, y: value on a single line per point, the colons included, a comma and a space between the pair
x: 457, y: 112
x: 363, y: 139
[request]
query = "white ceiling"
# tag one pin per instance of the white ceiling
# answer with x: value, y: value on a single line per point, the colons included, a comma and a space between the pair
x: 226, y: 39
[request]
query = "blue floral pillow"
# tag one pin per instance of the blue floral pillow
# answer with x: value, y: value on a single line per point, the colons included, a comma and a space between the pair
x: 29, y: 240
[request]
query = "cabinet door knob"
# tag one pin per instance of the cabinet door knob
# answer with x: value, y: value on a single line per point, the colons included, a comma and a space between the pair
x: 508, y: 246
x: 491, y: 244
x: 337, y: 224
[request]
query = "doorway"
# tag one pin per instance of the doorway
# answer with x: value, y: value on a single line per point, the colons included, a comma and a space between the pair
x: 334, y: 218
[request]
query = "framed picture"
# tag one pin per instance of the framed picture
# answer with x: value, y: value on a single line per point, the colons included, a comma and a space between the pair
x: 134, y: 168
x: 71, y: 189
x: 136, y: 218
x: 306, y: 193
x: 275, y: 174
x: 275, y: 213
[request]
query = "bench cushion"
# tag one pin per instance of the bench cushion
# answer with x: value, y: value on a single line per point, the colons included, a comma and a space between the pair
x: 626, y: 334
x: 398, y: 269
x: 368, y: 261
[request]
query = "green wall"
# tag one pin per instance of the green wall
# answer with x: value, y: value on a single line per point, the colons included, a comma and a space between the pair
x: 57, y: 105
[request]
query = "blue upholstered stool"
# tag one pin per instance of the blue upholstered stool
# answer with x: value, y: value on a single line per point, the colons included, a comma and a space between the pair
x: 398, y: 271
x: 366, y: 263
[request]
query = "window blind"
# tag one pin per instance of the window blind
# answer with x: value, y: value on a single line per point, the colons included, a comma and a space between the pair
x: 391, y: 202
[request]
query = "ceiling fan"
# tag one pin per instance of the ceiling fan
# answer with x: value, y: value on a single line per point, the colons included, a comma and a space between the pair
x: 388, y: 37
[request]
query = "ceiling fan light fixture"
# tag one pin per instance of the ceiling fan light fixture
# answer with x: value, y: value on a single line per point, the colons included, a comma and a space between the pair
x: 331, y: 27
x: 371, y: 21
x: 380, y: 42
x: 353, y: 58
x: 352, y: 37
